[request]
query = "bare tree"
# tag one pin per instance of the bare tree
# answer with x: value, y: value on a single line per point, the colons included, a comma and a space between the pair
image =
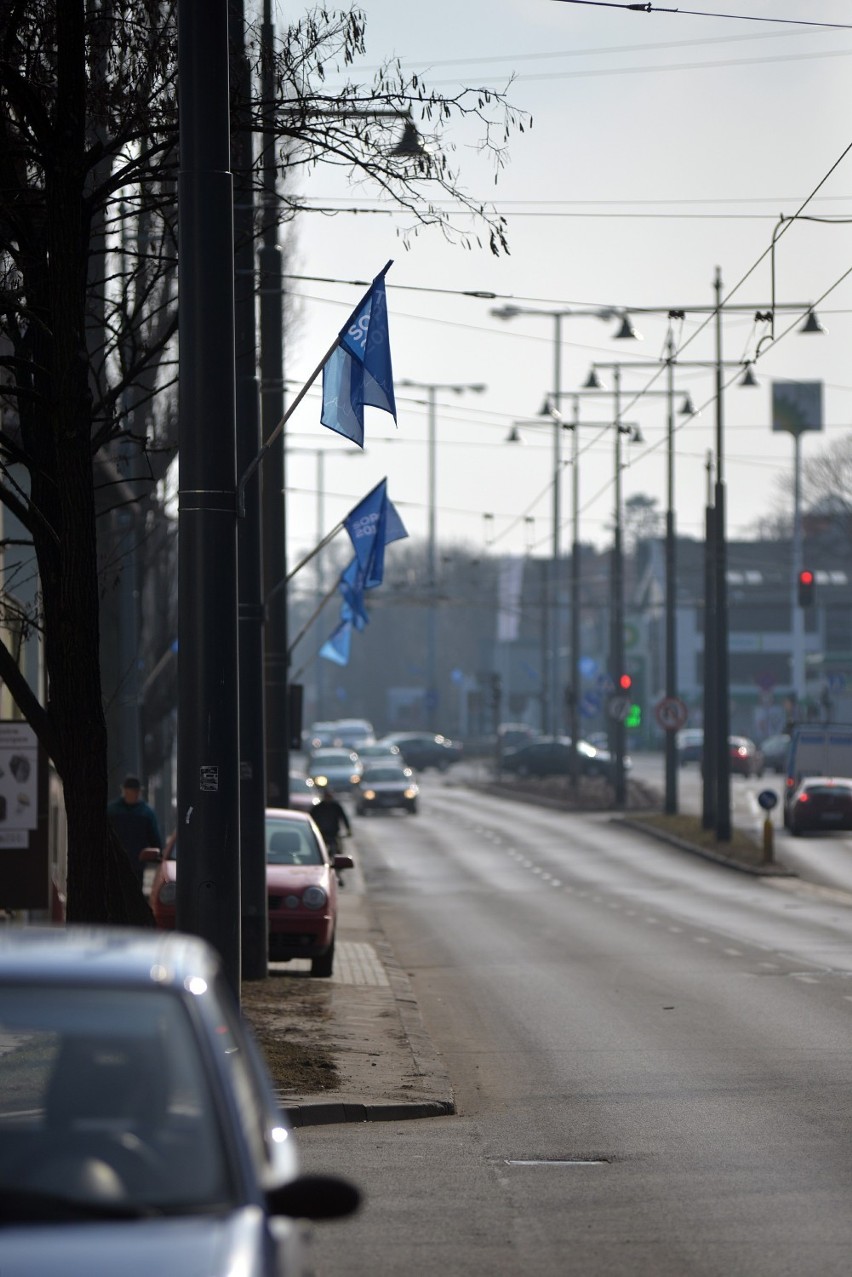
x: 88, y: 312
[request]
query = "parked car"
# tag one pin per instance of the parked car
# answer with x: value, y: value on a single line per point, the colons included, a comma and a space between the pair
x: 425, y: 749
x: 551, y: 756
x: 775, y: 750
x: 139, y: 1132
x: 689, y: 743
x: 821, y: 802
x: 301, y: 884
x: 384, y: 786
x: 339, y: 768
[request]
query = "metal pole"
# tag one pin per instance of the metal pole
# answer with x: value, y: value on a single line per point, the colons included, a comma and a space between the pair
x: 208, y: 885
x: 576, y: 653
x: 708, y: 764
x: 619, y: 731
x: 555, y: 627
x: 723, y: 762
x: 273, y: 480
x: 431, y: 571
x: 798, y: 615
x: 671, y: 796
x: 254, y: 905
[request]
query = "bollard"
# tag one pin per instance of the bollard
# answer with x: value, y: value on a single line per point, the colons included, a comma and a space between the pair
x: 768, y: 840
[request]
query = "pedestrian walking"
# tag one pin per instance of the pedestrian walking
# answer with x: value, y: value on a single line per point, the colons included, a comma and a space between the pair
x: 134, y: 823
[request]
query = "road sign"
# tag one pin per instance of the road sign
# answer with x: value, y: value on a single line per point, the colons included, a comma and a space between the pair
x: 590, y: 704
x: 767, y: 799
x: 671, y: 713
x: 618, y: 706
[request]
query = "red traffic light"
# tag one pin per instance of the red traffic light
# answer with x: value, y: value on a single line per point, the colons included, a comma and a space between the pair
x: 806, y: 587
x: 625, y: 682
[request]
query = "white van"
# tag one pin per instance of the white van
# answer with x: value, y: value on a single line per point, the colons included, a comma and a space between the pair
x: 817, y: 749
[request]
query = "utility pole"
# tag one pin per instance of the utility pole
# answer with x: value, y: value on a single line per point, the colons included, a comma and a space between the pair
x: 274, y: 501
x: 208, y: 885
x: 252, y: 738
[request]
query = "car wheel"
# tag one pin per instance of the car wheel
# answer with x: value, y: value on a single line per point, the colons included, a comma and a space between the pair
x: 795, y: 829
x: 324, y: 965
x: 412, y: 809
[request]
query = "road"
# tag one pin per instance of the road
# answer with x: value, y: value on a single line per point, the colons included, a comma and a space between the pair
x: 650, y: 1057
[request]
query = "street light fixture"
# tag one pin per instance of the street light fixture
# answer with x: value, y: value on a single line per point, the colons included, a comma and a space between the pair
x: 550, y: 678
x: 432, y: 388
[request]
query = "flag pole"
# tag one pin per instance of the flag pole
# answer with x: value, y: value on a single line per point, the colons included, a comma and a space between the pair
x: 305, y: 561
x: 253, y: 465
x: 303, y: 631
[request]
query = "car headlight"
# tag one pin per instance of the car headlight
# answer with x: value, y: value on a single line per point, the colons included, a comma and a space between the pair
x: 167, y: 893
x: 354, y: 778
x: 410, y: 793
x: 314, y: 898
x: 369, y: 794
x: 320, y: 780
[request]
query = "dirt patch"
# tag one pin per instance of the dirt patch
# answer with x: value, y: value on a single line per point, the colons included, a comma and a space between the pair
x: 741, y: 846
x: 290, y: 1017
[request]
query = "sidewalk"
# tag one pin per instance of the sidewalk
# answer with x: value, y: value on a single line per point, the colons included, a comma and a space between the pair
x: 387, y: 1066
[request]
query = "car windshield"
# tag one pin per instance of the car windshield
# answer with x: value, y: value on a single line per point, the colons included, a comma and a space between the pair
x: 332, y: 758
x: 291, y: 843
x: 828, y: 791
x: 383, y: 773
x: 104, y: 1099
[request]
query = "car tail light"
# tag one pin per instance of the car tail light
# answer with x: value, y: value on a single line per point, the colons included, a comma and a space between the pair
x: 804, y: 798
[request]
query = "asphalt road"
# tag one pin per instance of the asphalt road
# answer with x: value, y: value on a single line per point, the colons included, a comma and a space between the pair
x: 649, y: 1053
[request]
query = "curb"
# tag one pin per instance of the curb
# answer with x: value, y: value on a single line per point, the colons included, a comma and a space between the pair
x: 771, y: 870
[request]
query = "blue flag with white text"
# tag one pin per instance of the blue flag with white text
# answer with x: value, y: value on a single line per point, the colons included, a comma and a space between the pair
x: 372, y: 525
x: 358, y: 371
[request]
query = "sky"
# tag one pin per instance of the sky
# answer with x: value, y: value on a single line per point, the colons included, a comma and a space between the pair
x: 663, y: 146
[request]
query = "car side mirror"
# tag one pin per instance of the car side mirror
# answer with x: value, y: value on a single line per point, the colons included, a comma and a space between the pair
x: 314, y: 1197
x: 150, y: 855
x: 343, y: 862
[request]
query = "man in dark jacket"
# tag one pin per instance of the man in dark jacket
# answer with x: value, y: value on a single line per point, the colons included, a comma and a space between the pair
x: 134, y: 823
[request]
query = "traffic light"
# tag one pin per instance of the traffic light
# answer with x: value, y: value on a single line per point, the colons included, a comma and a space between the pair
x: 807, y: 585
x: 625, y: 682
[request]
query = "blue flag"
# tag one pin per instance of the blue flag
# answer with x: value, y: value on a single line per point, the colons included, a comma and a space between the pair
x: 336, y: 647
x: 358, y: 371
x: 372, y: 525
x: 352, y: 586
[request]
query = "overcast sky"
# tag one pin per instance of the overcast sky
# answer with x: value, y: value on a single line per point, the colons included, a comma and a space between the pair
x: 664, y: 145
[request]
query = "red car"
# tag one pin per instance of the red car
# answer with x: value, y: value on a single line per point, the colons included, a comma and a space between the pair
x: 301, y: 883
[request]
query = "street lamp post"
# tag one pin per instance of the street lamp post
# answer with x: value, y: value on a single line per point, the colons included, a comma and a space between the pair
x: 717, y: 710
x: 550, y: 678
x: 432, y: 389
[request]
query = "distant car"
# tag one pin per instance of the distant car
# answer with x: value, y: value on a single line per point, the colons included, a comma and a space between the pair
x: 820, y: 802
x: 351, y: 733
x: 744, y: 757
x: 139, y: 1131
x: 689, y: 742
x: 339, y: 768
x: 320, y: 736
x: 551, y: 756
x: 301, y: 884
x: 775, y: 750
x: 379, y: 752
x: 513, y: 735
x: 304, y: 794
x: 425, y: 749
x: 384, y: 786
